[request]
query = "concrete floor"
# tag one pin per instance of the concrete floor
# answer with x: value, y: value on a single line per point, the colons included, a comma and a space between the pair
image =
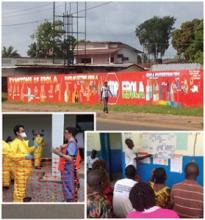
x: 45, y: 189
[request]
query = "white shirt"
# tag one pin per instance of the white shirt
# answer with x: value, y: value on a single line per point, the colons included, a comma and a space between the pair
x: 80, y: 139
x: 105, y: 91
x: 130, y: 156
x: 121, y: 202
x: 91, y: 161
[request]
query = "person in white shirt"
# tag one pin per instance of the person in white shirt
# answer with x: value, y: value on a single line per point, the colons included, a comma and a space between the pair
x: 105, y: 92
x: 91, y: 159
x: 121, y: 202
x: 131, y: 158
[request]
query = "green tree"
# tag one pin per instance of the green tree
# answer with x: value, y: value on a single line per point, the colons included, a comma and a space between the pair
x: 154, y: 35
x: 44, y: 40
x: 48, y: 41
x: 188, y: 41
x: 10, y: 52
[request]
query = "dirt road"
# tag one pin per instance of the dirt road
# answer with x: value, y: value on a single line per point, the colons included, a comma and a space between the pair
x: 119, y: 120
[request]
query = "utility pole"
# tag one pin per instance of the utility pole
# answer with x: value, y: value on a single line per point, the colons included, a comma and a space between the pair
x: 53, y: 32
x: 85, y: 29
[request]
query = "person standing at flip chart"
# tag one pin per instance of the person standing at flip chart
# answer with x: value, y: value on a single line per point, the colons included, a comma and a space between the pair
x: 131, y: 158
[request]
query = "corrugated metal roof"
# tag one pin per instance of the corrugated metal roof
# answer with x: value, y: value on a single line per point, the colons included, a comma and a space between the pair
x: 176, y: 66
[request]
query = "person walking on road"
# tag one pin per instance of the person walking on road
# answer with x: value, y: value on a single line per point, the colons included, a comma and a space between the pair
x: 105, y: 92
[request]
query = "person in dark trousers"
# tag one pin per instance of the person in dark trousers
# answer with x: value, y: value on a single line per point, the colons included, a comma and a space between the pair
x: 105, y: 92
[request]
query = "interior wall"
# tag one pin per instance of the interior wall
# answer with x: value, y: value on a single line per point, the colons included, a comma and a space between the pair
x: 93, y: 141
x: 30, y: 122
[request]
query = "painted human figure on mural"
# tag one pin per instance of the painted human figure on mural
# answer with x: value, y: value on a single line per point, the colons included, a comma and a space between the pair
x: 42, y: 94
x: 105, y: 93
x: 66, y: 93
x: 75, y: 95
x: 58, y: 91
x: 22, y: 92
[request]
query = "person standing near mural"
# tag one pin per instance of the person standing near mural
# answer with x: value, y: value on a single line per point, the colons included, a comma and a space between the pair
x: 67, y: 164
x: 21, y: 154
x: 104, y: 94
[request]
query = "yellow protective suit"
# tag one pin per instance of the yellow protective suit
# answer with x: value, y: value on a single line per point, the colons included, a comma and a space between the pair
x: 38, y: 151
x: 23, y: 167
x: 6, y: 165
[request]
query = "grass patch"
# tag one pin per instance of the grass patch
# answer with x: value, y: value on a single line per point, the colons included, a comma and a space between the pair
x: 157, y: 109
x: 4, y: 96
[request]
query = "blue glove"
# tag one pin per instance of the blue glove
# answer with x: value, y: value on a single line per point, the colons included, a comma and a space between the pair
x: 36, y: 145
x: 29, y: 157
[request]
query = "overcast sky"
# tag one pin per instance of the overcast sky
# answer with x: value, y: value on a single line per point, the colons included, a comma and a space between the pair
x: 111, y: 21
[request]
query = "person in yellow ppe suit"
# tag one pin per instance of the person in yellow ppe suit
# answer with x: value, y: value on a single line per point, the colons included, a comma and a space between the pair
x: 6, y: 162
x: 21, y: 154
x: 39, y: 140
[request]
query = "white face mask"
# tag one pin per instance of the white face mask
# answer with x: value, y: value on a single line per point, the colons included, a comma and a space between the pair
x: 23, y: 135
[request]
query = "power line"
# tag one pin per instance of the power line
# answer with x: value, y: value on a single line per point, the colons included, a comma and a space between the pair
x: 93, y: 7
x: 48, y: 19
x: 29, y: 22
x: 27, y: 12
x: 25, y: 9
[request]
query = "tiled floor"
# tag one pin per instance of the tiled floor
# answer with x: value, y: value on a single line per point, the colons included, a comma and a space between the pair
x: 46, y: 190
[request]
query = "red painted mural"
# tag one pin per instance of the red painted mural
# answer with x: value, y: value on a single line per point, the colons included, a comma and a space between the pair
x: 173, y: 88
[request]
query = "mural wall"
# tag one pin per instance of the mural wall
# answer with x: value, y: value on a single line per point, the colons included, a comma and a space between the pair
x: 173, y: 88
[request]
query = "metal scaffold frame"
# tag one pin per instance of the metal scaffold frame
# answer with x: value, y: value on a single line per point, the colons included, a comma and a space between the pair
x: 72, y: 31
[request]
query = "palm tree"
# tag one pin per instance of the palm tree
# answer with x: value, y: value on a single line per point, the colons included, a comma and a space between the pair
x: 10, y: 52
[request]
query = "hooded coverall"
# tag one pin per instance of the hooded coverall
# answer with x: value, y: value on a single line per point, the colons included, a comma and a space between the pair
x: 23, y: 167
x: 7, y: 168
x: 38, y: 151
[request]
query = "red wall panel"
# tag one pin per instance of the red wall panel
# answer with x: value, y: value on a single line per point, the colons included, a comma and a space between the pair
x: 174, y: 87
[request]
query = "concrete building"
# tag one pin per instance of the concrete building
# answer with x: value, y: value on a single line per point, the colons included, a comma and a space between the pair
x: 106, y: 53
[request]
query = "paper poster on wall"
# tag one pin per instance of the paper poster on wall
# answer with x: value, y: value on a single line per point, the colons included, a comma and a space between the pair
x: 176, y: 163
x: 160, y: 161
x: 161, y: 145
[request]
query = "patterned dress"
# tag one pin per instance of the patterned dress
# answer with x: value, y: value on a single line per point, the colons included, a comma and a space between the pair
x: 98, y: 206
x: 162, y: 196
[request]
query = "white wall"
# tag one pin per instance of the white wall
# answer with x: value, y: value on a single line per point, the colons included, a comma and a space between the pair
x: 131, y: 54
x: 115, y: 141
x: 93, y: 141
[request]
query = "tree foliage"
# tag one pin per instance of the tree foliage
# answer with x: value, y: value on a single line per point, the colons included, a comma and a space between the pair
x: 154, y: 35
x: 188, y: 41
x: 10, y: 52
x: 48, y: 40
